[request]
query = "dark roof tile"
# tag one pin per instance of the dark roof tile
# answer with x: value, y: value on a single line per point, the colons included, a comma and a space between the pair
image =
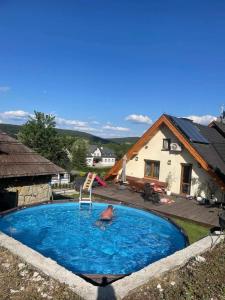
x: 17, y: 160
x: 214, y: 151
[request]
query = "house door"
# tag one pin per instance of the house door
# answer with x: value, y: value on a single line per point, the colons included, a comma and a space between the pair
x: 185, y: 187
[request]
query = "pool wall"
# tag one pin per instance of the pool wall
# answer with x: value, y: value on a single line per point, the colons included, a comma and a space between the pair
x: 102, y: 279
x: 118, y: 289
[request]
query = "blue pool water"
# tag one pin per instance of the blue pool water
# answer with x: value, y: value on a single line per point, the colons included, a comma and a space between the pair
x: 69, y: 235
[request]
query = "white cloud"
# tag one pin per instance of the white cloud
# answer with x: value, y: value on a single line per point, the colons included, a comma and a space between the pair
x: 4, y: 89
x: 70, y: 123
x: 204, y: 120
x: 87, y: 129
x: 14, y: 115
x: 95, y: 122
x: 115, y: 128
x: 94, y: 127
x: 139, y: 119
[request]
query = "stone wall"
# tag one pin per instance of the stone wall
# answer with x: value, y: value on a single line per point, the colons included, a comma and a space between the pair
x: 28, y: 190
x: 30, y: 194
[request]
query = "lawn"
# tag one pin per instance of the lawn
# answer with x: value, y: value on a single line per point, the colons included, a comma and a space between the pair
x: 194, y: 231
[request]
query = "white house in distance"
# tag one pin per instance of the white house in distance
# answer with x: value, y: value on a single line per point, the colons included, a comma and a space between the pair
x: 99, y: 156
x: 188, y: 157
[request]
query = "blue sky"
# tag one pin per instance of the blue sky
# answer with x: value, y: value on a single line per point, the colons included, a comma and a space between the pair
x: 111, y: 68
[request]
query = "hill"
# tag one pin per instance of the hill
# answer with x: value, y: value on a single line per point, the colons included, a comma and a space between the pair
x: 10, y: 129
x: 125, y: 140
x: 13, y: 130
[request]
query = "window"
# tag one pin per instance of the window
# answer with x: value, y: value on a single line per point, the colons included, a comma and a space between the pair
x: 166, y: 144
x: 152, y: 168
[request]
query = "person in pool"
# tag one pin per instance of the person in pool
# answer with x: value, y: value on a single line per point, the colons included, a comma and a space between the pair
x: 107, y: 214
x: 105, y: 217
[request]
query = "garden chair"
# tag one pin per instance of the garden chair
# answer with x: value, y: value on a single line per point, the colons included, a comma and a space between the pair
x: 149, y: 194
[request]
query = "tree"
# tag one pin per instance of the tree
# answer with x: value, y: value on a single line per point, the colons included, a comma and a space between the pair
x: 39, y: 133
x: 79, y: 150
x: 119, y: 149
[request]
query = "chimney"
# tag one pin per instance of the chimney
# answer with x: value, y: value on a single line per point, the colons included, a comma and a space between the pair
x: 222, y: 116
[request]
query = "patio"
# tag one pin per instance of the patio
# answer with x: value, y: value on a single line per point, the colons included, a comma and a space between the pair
x: 182, y: 208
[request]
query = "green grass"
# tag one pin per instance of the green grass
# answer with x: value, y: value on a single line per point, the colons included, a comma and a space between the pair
x: 194, y: 231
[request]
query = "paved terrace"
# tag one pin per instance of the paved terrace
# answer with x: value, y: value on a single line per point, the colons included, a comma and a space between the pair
x: 183, y: 208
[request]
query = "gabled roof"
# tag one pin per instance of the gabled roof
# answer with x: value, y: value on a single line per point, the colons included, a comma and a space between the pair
x: 209, y: 153
x: 91, y: 149
x: 214, y: 150
x: 106, y: 152
x: 17, y: 160
x: 214, y: 153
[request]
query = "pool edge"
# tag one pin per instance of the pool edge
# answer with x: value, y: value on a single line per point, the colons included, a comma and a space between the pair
x: 121, y: 287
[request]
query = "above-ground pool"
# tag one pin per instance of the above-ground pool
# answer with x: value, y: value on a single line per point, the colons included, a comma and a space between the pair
x: 63, y: 232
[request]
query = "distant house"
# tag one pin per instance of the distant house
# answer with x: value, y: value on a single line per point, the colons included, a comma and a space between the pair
x: 100, y: 156
x: 24, y: 175
x: 187, y: 157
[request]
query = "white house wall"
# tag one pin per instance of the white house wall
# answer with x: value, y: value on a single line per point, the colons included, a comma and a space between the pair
x: 109, y: 162
x: 105, y: 162
x: 153, y: 151
x: 89, y: 161
x: 97, y: 153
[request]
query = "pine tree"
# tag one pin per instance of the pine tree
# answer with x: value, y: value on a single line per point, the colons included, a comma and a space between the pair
x: 79, y: 150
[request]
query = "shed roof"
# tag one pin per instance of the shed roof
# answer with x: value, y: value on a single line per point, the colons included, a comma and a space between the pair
x: 17, y: 160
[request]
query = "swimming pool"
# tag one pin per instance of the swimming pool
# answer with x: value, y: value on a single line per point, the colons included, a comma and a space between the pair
x: 63, y: 232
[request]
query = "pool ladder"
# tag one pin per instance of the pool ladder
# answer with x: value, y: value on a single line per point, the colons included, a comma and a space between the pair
x: 86, y: 200
x: 87, y: 186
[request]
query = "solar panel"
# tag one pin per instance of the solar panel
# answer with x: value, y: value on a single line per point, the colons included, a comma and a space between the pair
x: 190, y: 130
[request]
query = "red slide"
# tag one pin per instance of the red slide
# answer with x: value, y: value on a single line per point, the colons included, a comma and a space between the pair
x: 100, y: 181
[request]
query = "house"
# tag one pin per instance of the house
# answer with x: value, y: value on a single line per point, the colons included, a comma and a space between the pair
x: 187, y: 157
x: 61, y: 178
x: 24, y: 175
x: 100, y: 156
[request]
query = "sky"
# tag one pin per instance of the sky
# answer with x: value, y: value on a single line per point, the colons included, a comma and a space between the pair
x: 111, y: 68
